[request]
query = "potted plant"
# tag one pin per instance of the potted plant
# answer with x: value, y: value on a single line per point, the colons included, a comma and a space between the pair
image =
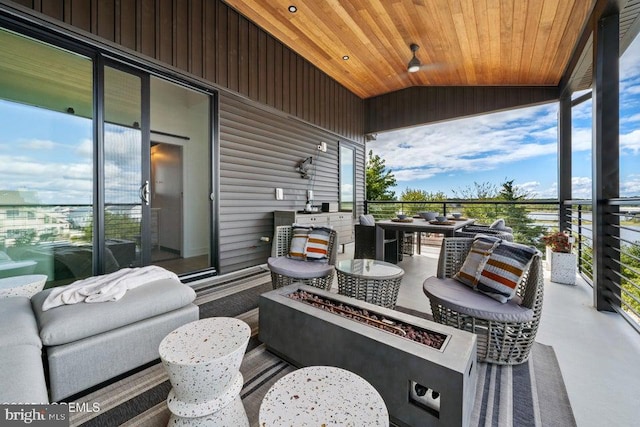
x: 560, y: 260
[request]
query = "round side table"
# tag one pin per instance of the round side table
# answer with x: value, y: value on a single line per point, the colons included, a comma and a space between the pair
x: 22, y: 286
x: 322, y: 395
x: 202, y: 360
x: 376, y: 282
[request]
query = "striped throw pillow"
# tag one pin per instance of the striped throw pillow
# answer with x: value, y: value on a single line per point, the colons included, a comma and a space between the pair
x: 504, y: 270
x: 299, y: 237
x: 476, y: 259
x: 317, y: 247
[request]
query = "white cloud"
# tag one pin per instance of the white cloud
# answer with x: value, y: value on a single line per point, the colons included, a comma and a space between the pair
x: 630, y: 60
x: 630, y: 119
x: 631, y: 141
x: 581, y: 139
x: 630, y: 186
x: 414, y: 174
x: 473, y: 144
x: 581, y: 187
x: 39, y: 144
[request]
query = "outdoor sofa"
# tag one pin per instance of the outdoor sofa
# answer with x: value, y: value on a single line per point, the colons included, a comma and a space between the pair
x: 83, y: 344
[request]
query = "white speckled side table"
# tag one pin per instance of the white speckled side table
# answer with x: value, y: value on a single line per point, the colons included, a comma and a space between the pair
x: 202, y: 360
x: 22, y: 286
x: 322, y: 395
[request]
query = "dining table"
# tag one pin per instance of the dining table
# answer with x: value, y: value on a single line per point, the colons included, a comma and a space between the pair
x: 416, y: 225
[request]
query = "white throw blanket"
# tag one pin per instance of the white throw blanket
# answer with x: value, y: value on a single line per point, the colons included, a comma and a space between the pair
x: 109, y: 287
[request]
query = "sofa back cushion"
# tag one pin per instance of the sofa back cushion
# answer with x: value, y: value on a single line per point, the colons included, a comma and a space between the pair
x: 18, y: 325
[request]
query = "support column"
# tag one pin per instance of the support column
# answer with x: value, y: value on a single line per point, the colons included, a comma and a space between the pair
x: 564, y: 161
x: 605, y: 163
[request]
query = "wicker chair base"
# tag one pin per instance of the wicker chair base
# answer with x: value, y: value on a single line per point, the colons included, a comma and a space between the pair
x: 382, y: 292
x: 502, y: 343
x: 279, y: 280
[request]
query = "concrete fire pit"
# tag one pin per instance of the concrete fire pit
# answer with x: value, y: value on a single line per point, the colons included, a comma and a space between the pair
x: 307, y: 336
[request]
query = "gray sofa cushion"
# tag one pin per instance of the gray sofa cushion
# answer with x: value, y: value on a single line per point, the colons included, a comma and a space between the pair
x: 456, y: 296
x: 22, y: 375
x: 70, y: 323
x: 18, y: 325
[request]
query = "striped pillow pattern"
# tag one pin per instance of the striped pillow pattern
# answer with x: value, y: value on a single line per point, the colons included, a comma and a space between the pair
x: 317, y: 246
x: 299, y: 237
x: 479, y: 253
x: 502, y: 273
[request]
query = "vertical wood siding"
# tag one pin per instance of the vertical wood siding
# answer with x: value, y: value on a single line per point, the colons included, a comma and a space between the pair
x: 422, y: 105
x: 259, y: 150
x: 212, y: 41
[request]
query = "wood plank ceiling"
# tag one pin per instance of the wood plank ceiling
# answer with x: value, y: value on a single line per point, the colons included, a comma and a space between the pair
x: 462, y: 42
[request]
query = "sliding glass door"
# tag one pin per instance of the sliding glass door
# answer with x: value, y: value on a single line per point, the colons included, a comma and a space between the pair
x: 125, y: 169
x: 77, y: 196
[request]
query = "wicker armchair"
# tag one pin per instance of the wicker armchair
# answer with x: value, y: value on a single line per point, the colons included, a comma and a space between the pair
x: 505, y: 332
x: 285, y: 271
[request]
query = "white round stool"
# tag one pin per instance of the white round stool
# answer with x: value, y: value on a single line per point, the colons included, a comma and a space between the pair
x: 202, y: 360
x: 322, y: 395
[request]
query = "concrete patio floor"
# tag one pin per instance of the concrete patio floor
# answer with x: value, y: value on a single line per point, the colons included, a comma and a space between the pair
x: 598, y: 352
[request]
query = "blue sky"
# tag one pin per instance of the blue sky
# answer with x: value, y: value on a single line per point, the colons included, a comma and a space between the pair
x: 517, y: 144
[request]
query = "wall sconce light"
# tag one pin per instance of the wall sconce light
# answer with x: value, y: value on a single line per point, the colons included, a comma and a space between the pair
x: 303, y: 167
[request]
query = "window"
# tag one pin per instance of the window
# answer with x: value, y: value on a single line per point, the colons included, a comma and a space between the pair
x: 347, y: 178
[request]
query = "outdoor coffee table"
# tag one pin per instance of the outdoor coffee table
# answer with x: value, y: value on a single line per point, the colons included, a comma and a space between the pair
x: 376, y: 282
x: 322, y: 396
x: 22, y: 286
x: 202, y: 360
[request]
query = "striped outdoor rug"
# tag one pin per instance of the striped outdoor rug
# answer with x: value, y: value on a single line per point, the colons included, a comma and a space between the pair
x: 531, y: 394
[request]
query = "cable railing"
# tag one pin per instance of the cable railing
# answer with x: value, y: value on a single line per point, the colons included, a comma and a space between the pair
x: 531, y: 219
x: 622, y: 246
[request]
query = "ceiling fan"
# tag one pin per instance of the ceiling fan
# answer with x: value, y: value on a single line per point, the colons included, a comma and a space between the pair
x: 415, y: 65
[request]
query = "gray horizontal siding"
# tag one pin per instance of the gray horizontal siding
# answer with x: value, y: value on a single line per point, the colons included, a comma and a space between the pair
x: 259, y: 149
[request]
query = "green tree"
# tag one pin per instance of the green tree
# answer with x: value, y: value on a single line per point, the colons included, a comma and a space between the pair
x: 479, y: 191
x: 417, y: 195
x: 630, y: 259
x: 517, y: 215
x: 379, y: 179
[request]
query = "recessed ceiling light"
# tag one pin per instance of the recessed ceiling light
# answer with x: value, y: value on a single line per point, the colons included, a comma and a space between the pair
x: 346, y: 57
x: 292, y: 9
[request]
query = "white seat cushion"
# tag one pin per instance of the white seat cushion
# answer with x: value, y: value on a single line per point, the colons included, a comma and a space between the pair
x: 299, y: 269
x: 454, y: 295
